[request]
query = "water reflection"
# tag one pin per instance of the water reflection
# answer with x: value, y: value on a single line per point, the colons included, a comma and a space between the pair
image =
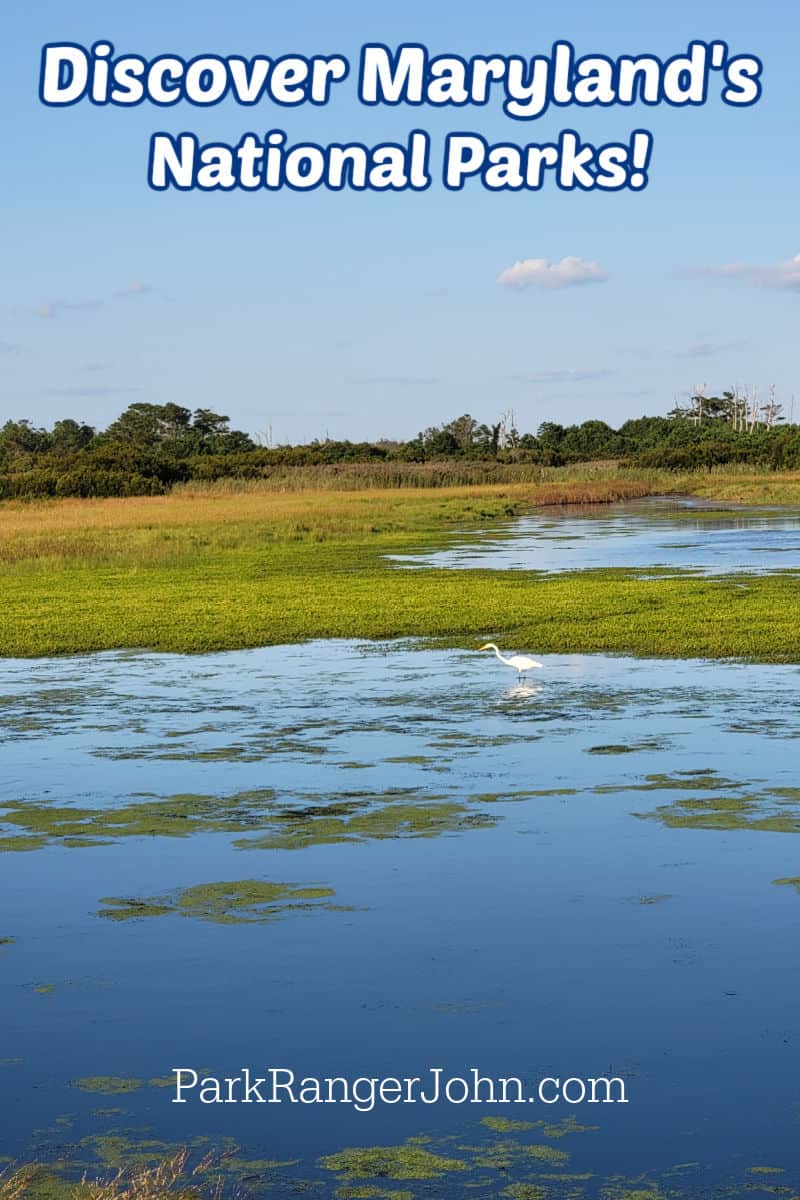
x: 523, y: 691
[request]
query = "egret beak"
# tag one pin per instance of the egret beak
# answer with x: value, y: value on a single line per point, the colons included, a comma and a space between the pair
x: 484, y: 647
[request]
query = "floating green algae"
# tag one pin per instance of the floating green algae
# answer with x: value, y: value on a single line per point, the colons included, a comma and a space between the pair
x: 7, y: 941
x: 703, y: 779
x: 506, y: 1125
x: 417, y: 760
x: 119, y: 1151
x: 315, y: 826
x: 368, y: 1192
x: 622, y: 1191
x: 508, y: 1154
x: 257, y: 1166
x: 626, y: 748
x: 240, y: 902
x: 293, y: 823
x: 108, y: 1085
x: 409, y: 1161
x: 775, y: 811
x: 525, y: 1191
x: 789, y: 882
x: 566, y: 1126
x: 128, y: 908
x: 254, y: 750
x: 172, y: 816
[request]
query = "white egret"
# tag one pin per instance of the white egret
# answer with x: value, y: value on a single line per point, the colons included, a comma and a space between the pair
x: 520, y: 662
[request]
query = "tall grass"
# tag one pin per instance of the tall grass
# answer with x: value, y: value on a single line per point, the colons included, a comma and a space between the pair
x: 149, y: 529
x: 222, y: 517
x: 172, y: 1179
x: 347, y: 476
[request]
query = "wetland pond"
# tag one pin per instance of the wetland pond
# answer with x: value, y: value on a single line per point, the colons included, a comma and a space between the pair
x: 369, y: 860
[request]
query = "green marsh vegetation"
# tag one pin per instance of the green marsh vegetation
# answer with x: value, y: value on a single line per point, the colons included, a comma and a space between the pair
x: 204, y: 571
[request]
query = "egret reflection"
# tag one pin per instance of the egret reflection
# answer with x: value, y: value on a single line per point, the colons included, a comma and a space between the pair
x: 523, y: 691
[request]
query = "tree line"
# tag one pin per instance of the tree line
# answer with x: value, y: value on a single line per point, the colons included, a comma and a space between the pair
x: 151, y: 447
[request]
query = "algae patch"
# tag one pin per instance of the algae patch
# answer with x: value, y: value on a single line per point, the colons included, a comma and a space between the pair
x: 108, y: 1085
x: 241, y: 902
x: 737, y: 805
x: 172, y: 816
x: 292, y: 823
x: 627, y: 748
x: 409, y: 1161
x: 506, y: 1125
x: 359, y: 820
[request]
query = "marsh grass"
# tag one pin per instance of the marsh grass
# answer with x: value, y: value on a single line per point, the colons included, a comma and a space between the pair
x: 148, y: 530
x: 210, y: 570
x: 171, y: 1179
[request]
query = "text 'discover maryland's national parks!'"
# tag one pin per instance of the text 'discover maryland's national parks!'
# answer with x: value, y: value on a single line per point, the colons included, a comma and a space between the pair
x: 399, y: 601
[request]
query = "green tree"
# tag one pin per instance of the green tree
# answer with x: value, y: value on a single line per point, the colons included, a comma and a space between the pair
x: 149, y: 424
x: 19, y: 438
x: 69, y: 435
x: 550, y: 435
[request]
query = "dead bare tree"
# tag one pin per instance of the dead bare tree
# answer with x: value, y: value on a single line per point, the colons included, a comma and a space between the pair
x: 698, y: 399
x: 508, y: 429
x: 772, y: 411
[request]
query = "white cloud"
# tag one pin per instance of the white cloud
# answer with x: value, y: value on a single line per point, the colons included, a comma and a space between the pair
x: 778, y: 275
x: 52, y: 309
x: 578, y: 375
x: 539, y: 272
x: 710, y: 349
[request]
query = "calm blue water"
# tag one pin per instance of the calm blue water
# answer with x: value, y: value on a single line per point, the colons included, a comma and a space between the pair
x: 558, y: 918
x: 680, y: 534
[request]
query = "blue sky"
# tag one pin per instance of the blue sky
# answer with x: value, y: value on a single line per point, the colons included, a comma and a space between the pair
x: 362, y: 315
